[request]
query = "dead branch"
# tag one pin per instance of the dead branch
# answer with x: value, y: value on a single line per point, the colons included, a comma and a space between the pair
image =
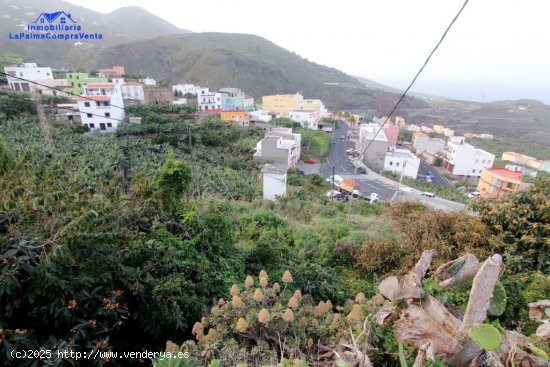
x: 410, y: 286
x: 389, y: 287
x: 482, y: 291
x: 421, y: 356
x: 457, y: 271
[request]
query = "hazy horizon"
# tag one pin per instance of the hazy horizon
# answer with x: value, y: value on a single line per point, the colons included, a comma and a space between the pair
x: 493, y: 42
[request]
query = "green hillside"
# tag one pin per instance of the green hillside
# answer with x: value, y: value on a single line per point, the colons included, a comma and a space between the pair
x: 122, y: 25
x: 249, y: 62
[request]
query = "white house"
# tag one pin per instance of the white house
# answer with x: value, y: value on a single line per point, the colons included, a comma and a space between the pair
x: 426, y: 129
x: 186, y: 88
x: 133, y: 90
x: 308, y: 119
x: 259, y: 116
x: 448, y: 132
x: 209, y: 101
x: 412, y: 127
x: 29, y: 71
x: 101, y: 106
x: 274, y: 181
x: 279, y: 146
x: 180, y: 101
x: 422, y: 142
x: 402, y: 162
x: 148, y: 81
x: 463, y: 159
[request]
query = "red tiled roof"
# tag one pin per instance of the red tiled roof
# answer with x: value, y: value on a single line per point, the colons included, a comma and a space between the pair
x: 514, y: 175
x: 420, y: 134
x: 101, y: 85
x: 132, y: 83
x: 95, y: 98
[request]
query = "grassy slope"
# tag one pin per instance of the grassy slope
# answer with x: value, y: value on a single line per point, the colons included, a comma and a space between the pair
x: 317, y: 142
x: 499, y: 145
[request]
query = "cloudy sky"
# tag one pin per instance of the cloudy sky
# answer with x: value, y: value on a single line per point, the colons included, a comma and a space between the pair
x: 498, y: 49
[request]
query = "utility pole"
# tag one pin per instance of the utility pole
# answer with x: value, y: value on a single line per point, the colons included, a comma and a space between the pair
x: 332, y: 191
x: 43, y: 121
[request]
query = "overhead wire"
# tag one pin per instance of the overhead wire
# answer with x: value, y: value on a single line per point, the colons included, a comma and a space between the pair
x: 59, y: 108
x: 57, y: 89
x: 406, y: 91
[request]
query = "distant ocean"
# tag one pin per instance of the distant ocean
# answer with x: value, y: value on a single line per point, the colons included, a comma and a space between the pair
x: 472, y: 91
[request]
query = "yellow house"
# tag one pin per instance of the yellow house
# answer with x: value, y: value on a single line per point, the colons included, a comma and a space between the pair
x: 522, y: 159
x: 235, y: 116
x: 496, y: 182
x: 282, y: 103
x: 438, y: 129
x: 400, y: 121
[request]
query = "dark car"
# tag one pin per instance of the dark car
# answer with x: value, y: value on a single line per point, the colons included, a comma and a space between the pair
x: 362, y: 170
x: 300, y: 172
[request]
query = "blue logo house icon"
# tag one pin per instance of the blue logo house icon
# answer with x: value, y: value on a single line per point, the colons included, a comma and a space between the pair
x: 58, y: 25
x: 60, y: 16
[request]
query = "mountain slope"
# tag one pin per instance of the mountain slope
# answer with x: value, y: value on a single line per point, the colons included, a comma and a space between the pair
x: 220, y: 59
x: 249, y: 62
x: 122, y: 25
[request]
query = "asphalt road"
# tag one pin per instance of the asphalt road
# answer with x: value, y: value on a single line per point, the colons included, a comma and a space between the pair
x: 338, y: 158
x: 437, y: 179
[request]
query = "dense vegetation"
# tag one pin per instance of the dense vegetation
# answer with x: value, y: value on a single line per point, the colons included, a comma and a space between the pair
x: 123, y: 241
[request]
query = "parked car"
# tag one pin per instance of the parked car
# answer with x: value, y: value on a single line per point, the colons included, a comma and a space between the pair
x: 300, y: 172
x: 350, y: 151
x: 310, y: 161
x: 474, y: 195
x: 362, y: 170
x: 430, y: 174
x: 428, y: 194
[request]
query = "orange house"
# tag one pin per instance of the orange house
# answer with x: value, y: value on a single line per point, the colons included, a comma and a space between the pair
x: 235, y: 116
x: 497, y: 182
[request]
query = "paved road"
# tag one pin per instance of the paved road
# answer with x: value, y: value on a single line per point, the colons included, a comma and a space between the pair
x: 437, y: 179
x: 373, y: 182
x: 338, y: 158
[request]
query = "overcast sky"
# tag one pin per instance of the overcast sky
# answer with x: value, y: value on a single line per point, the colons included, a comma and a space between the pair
x: 497, y: 49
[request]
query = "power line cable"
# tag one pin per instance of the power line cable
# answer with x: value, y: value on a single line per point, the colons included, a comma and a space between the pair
x: 59, y: 108
x: 57, y: 89
x: 407, y: 90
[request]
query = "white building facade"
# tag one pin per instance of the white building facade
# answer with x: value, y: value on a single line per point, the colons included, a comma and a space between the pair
x: 306, y: 118
x: 259, y: 116
x: 209, y: 101
x: 463, y: 159
x: 133, y: 90
x: 274, y: 181
x: 29, y: 71
x: 186, y: 89
x: 402, y: 162
x: 148, y: 81
x: 280, y: 146
x: 101, y: 107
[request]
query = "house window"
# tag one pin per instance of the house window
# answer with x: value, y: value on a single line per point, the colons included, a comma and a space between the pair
x: 92, y: 126
x: 77, y: 77
x: 107, y: 114
x: 109, y: 124
x: 477, y: 160
x: 97, y: 103
x: 397, y: 164
x: 86, y: 104
x: 48, y: 74
x: 89, y: 115
x: 391, y: 163
x: 79, y: 85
